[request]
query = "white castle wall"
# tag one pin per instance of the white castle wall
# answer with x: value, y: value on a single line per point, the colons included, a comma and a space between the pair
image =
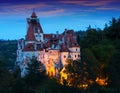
x: 50, y: 58
x: 64, y: 56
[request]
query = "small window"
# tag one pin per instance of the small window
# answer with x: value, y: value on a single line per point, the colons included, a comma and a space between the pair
x: 76, y: 49
x: 36, y: 30
x: 36, y: 35
x: 75, y: 56
x: 53, y: 36
x: 75, y: 44
x: 64, y: 56
x: 46, y: 50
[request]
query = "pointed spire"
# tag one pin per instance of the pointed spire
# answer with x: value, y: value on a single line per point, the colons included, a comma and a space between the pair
x: 33, y: 26
x: 33, y: 15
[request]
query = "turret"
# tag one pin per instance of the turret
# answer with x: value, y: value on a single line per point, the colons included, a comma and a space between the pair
x: 33, y: 15
x: 34, y: 31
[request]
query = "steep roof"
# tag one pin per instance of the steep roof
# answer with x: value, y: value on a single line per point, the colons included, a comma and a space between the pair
x: 29, y: 47
x: 30, y: 33
x: 33, y: 15
x: 33, y: 26
x: 64, y: 48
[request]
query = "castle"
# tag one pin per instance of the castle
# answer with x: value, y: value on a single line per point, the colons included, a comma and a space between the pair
x: 50, y: 49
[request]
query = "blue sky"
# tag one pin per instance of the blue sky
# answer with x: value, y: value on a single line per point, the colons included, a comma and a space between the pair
x: 55, y: 15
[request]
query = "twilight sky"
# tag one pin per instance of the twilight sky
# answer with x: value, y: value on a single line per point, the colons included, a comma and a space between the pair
x: 55, y: 15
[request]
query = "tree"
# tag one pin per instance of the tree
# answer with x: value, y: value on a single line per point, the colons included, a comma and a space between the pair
x: 77, y: 75
x: 103, y: 54
x: 6, y: 80
x: 113, y: 69
x: 93, y: 36
x: 73, y: 70
x: 36, y: 72
x: 8, y: 52
x: 92, y: 63
x: 113, y: 31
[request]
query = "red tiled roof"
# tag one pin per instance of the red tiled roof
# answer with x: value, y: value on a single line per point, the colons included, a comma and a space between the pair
x: 64, y: 48
x: 39, y: 26
x: 33, y: 25
x: 39, y: 47
x: 29, y: 47
x: 69, y: 32
x: 60, y: 37
x: 47, y: 36
x: 73, y: 42
x: 30, y: 33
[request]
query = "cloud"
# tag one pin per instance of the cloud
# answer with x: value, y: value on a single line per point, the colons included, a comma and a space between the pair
x: 21, y: 8
x: 88, y: 2
x: 73, y: 2
x: 108, y: 8
x: 55, y: 12
x: 42, y: 9
x: 56, y: 8
x: 98, y: 3
x: 52, y: 12
x: 28, y: 6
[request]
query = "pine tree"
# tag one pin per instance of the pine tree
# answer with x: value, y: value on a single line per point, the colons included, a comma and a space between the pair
x: 36, y: 72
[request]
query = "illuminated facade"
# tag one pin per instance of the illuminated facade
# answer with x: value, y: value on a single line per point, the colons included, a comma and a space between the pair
x: 50, y: 49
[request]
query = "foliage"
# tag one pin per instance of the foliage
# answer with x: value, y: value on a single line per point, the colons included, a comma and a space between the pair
x: 91, y: 61
x: 74, y: 73
x: 93, y: 36
x: 100, y: 49
x: 113, y: 31
x: 8, y: 52
x: 35, y: 72
x: 103, y: 53
x: 77, y: 73
x: 6, y: 80
x: 114, y: 66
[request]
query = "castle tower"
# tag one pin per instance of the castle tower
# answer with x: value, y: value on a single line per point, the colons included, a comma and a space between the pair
x: 51, y: 49
x: 34, y: 30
